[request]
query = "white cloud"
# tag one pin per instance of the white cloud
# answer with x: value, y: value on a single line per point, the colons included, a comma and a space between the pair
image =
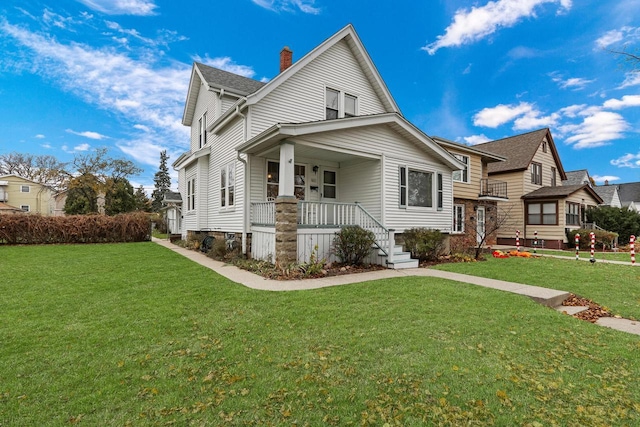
x: 225, y: 63
x: 476, y: 139
x: 608, y: 178
x: 533, y: 120
x: 477, y: 23
x: 142, y: 127
x: 570, y: 83
x: 40, y: 136
x: 501, y: 114
x: 88, y: 134
x: 82, y: 147
x: 306, y: 6
x: 627, y: 161
x: 595, y: 130
x: 122, y: 7
x: 614, y: 36
x: 626, y: 101
x: 632, y: 79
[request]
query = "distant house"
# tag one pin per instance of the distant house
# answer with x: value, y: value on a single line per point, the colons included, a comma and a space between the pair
x: 172, y: 207
x: 475, y: 196
x: 608, y: 193
x: 538, y: 201
x: 630, y: 195
x: 25, y: 195
x: 282, y: 166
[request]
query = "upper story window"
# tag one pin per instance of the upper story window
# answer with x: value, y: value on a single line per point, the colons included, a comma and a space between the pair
x: 202, y: 135
x: 191, y: 194
x: 339, y: 104
x: 544, y: 146
x: 462, y: 175
x: 25, y: 189
x: 553, y: 177
x: 416, y: 188
x: 536, y: 173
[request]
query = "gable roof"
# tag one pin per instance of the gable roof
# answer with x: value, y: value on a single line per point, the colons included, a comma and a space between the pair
x: 272, y: 136
x: 519, y: 151
x: 485, y: 155
x: 580, y: 176
x: 606, y: 193
x: 560, y: 192
x: 217, y: 79
x: 629, y: 192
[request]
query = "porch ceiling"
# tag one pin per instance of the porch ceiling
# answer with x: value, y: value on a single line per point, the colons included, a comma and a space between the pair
x: 311, y: 152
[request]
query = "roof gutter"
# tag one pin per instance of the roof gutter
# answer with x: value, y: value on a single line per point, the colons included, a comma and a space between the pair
x: 228, y: 116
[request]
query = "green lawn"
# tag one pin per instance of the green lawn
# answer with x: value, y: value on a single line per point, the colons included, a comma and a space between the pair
x: 598, y: 255
x: 615, y: 286
x: 136, y: 335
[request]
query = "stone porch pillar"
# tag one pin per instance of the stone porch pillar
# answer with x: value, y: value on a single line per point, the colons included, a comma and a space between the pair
x: 286, y: 230
x: 286, y: 208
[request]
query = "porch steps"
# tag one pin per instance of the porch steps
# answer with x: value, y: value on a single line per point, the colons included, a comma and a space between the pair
x: 401, y: 259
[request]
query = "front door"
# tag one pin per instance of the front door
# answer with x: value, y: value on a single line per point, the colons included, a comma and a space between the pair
x: 480, y: 224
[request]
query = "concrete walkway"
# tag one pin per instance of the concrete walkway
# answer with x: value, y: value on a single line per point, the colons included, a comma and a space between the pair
x: 545, y: 296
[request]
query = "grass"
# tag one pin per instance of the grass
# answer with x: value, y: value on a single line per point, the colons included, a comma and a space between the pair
x: 136, y: 335
x: 598, y: 255
x: 614, y: 286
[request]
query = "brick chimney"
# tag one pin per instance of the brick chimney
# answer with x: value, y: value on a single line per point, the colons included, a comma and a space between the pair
x: 606, y: 182
x: 286, y: 58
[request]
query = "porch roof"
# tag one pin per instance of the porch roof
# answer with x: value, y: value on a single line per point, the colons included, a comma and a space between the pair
x: 271, y: 137
x: 561, y: 192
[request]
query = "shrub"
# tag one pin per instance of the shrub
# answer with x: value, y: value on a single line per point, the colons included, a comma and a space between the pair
x: 424, y: 244
x: 603, y: 238
x: 352, y: 244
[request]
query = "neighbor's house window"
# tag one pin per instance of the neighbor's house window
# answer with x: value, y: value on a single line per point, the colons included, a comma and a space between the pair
x: 462, y: 175
x: 203, y: 130
x: 227, y: 184
x: 553, y: 177
x: 273, y: 180
x: 339, y: 104
x: 536, y: 173
x: 573, y: 213
x: 440, y: 192
x: 542, y: 213
x: 458, y: 218
x: 25, y: 189
x: 544, y: 146
x: 25, y: 208
x: 416, y: 188
x: 191, y: 194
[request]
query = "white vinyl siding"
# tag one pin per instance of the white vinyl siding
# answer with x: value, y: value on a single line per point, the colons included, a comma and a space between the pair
x: 302, y: 97
x: 359, y: 181
x: 207, y: 102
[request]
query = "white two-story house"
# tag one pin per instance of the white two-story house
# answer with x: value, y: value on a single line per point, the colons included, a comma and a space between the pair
x: 281, y: 166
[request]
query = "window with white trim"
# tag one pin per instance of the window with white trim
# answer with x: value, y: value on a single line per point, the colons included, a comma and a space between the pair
x: 339, y: 104
x: 25, y: 208
x: 25, y: 189
x: 536, y: 173
x: 227, y: 184
x: 273, y: 180
x: 416, y: 188
x: 202, y: 136
x: 191, y: 194
x: 462, y: 175
x: 458, y: 218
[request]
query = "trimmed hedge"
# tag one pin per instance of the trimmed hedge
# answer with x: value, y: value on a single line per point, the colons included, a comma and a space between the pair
x: 33, y: 229
x: 602, y: 237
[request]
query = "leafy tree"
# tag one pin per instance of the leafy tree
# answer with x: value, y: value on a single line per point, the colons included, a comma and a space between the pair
x: 119, y: 197
x: 43, y: 169
x: 162, y: 182
x: 142, y: 201
x: 623, y: 221
x: 82, y: 195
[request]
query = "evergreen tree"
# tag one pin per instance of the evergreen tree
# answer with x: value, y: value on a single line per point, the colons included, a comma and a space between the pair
x: 142, y: 201
x: 119, y: 197
x: 162, y: 182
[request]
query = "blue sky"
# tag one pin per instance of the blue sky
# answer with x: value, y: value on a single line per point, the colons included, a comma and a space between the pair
x: 76, y: 75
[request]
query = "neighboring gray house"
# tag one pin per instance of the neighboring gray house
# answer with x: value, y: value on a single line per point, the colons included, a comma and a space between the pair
x: 630, y: 195
x: 172, y: 207
x: 282, y: 166
x: 608, y: 193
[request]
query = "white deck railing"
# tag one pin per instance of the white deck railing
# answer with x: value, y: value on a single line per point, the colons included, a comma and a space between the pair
x: 329, y: 215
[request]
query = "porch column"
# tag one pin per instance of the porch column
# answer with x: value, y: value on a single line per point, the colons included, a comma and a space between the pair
x: 286, y: 229
x: 287, y: 170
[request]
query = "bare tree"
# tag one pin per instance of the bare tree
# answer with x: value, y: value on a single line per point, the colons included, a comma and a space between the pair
x: 496, y: 218
x: 43, y: 169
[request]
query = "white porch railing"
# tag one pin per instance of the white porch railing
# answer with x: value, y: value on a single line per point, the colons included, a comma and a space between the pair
x: 329, y: 215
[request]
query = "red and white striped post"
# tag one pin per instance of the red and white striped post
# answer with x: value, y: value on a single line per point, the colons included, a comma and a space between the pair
x: 517, y: 240
x: 535, y: 242
x: 577, y: 246
x: 592, y: 235
x: 632, y: 246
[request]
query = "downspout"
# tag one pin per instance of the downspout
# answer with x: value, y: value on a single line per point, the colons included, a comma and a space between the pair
x: 245, y: 203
